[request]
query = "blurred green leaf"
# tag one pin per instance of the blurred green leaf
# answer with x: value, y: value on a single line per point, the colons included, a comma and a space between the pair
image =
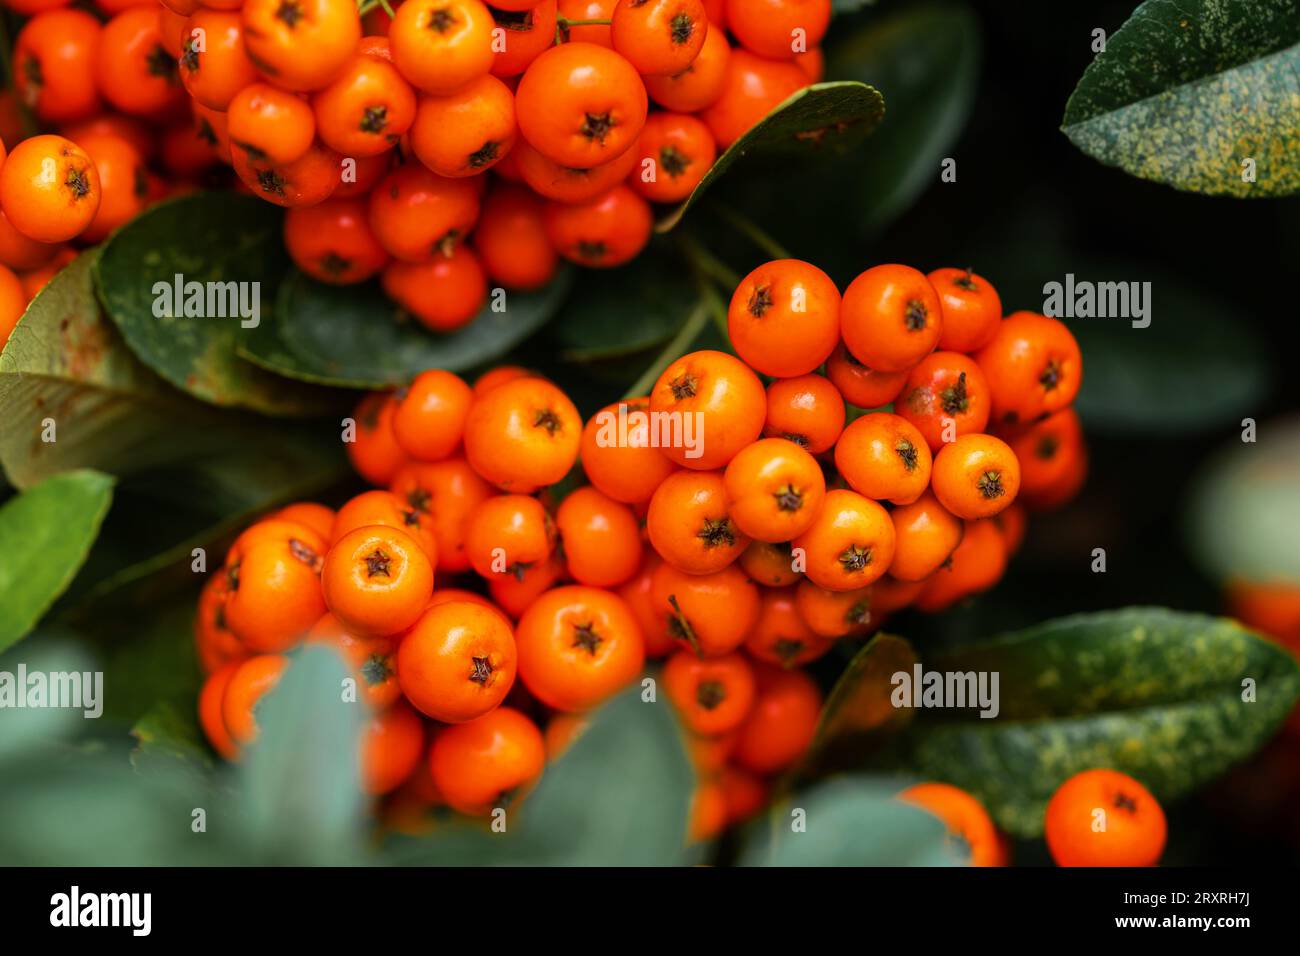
x: 1154, y: 693
x: 850, y: 821
x: 926, y: 58
x: 301, y: 800
x: 354, y: 337
x: 206, y: 238
x: 45, y: 534
x: 1245, y: 508
x: 1188, y: 89
x: 618, y: 312
x: 165, y: 734
x: 821, y: 119
x: 620, y: 795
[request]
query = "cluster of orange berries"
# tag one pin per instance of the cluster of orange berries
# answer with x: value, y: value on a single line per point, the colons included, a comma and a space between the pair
x: 376, y: 130
x: 746, y: 548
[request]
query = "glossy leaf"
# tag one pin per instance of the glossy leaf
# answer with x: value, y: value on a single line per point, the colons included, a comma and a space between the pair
x: 355, y: 337
x: 1187, y: 91
x: 926, y: 58
x: 821, y: 119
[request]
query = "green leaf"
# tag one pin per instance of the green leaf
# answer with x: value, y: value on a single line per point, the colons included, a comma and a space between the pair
x: 1154, y: 693
x: 1245, y: 509
x: 858, y: 714
x: 1187, y: 90
x: 618, y: 312
x: 165, y: 734
x: 851, y: 821
x: 926, y: 57
x: 356, y: 338
x: 206, y: 238
x: 302, y: 798
x: 620, y: 795
x: 45, y: 534
x: 64, y: 362
x: 820, y: 119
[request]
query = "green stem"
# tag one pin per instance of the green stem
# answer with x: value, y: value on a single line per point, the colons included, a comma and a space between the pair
x: 707, y: 264
x: 565, y: 23
x: 751, y: 231
x: 672, y: 351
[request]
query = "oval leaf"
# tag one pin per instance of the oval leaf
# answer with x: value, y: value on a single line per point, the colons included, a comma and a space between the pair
x: 45, y: 534
x: 65, y: 361
x: 1157, y: 694
x: 822, y: 118
x: 620, y: 795
x: 597, y: 322
x: 1188, y: 91
x: 355, y: 337
x: 302, y: 780
x: 209, y: 238
x: 852, y: 821
x: 927, y: 57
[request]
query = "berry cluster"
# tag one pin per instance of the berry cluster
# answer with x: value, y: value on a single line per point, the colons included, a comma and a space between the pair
x: 377, y: 130
x: 734, y: 529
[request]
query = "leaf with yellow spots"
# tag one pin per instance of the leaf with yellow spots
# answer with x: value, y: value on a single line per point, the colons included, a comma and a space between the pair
x: 1170, y: 698
x: 1202, y: 95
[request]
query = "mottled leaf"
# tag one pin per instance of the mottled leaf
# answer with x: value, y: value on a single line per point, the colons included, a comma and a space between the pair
x: 1187, y: 91
x: 1157, y: 694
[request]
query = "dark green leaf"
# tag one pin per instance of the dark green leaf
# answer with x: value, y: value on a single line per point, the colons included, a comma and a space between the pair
x: 1245, y: 513
x: 45, y: 534
x: 302, y: 797
x: 616, y: 312
x: 206, y: 238
x: 821, y: 119
x: 1187, y: 90
x: 926, y: 59
x: 355, y: 337
x: 851, y: 821
x: 1156, y: 694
